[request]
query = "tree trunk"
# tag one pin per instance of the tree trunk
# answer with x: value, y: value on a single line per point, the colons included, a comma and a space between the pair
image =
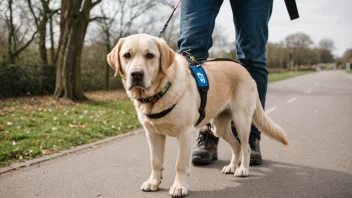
x: 107, y: 67
x: 74, y: 23
x: 42, y: 37
x: 52, y: 48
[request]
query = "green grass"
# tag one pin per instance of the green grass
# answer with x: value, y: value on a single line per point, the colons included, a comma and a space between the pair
x: 25, y: 133
x: 280, y: 76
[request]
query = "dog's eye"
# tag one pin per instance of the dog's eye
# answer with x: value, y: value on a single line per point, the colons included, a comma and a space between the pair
x: 127, y: 55
x: 149, y: 56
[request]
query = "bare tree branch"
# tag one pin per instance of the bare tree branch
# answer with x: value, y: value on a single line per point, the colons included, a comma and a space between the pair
x: 98, y: 18
x: 17, y: 52
x: 29, y: 2
x: 94, y: 3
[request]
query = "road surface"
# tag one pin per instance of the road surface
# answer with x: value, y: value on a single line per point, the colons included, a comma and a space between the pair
x: 314, y: 109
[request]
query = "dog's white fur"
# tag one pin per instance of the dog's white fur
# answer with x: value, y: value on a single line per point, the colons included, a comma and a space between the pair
x: 232, y: 96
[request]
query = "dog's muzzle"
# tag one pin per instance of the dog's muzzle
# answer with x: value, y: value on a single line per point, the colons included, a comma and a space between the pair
x: 137, y: 79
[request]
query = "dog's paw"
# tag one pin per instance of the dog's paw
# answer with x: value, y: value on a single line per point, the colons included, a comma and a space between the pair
x: 229, y: 169
x: 241, y: 172
x: 150, y: 185
x: 178, y: 190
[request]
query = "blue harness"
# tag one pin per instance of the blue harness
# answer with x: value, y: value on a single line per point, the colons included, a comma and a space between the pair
x: 201, y: 79
x: 203, y: 86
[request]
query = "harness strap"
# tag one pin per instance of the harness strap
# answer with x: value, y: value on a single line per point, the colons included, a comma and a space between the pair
x: 203, y: 102
x: 292, y: 9
x: 161, y: 114
x: 200, y: 76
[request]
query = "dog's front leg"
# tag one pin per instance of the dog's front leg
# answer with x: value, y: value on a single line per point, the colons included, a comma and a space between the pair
x: 183, y: 163
x: 157, y: 147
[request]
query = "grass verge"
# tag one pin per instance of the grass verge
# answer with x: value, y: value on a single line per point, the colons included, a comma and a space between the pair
x: 26, y: 133
x: 281, y: 76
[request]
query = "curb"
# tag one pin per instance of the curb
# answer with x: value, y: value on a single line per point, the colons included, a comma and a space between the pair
x: 20, y: 165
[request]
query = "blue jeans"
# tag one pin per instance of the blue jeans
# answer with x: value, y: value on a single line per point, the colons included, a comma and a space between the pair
x: 251, y: 18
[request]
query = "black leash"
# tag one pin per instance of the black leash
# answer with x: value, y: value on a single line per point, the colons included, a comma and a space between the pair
x: 161, y: 34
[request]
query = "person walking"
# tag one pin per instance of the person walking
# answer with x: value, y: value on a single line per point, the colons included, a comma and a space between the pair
x: 251, y: 18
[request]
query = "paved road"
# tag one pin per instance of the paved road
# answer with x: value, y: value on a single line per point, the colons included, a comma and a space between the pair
x: 315, y: 110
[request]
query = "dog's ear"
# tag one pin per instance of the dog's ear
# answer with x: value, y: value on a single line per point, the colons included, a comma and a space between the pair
x: 114, y: 59
x: 167, y: 55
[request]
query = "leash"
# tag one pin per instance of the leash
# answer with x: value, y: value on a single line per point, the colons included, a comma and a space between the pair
x: 161, y: 34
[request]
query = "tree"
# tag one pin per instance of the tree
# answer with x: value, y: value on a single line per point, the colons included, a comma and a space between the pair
x: 326, y: 46
x: 41, y: 17
x: 296, y: 44
x: 16, y: 44
x: 347, y: 56
x: 74, y: 22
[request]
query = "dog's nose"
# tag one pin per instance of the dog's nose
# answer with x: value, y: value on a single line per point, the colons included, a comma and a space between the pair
x: 137, y: 75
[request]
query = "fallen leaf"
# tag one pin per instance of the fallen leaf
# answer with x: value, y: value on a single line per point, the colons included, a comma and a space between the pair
x: 2, y: 127
x: 28, y: 153
x: 20, y: 157
x: 47, y: 152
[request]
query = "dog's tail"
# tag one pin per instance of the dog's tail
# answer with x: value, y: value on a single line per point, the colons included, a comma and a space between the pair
x: 267, y: 126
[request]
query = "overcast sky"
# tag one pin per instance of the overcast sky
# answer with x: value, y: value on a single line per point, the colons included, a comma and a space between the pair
x: 318, y: 18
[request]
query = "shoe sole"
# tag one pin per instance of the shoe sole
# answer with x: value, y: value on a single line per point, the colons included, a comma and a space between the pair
x: 199, y: 161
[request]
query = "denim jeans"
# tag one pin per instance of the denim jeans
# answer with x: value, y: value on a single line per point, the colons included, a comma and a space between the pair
x: 251, y: 18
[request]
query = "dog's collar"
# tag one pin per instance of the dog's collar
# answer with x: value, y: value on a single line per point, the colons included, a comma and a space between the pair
x: 157, y: 96
x: 161, y: 114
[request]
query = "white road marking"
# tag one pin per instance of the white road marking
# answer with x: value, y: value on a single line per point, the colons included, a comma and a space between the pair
x: 270, y: 110
x: 291, y: 100
x: 308, y: 91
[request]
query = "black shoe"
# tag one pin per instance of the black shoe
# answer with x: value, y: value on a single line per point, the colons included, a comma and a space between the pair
x: 205, y: 151
x: 256, y: 156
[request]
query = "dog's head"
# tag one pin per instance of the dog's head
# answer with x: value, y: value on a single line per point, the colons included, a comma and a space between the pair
x: 140, y: 60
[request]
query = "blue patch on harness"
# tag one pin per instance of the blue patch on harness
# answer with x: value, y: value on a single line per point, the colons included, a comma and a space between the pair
x: 200, y: 76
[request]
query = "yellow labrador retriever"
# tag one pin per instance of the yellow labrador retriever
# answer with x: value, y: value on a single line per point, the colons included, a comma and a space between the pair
x: 146, y: 65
